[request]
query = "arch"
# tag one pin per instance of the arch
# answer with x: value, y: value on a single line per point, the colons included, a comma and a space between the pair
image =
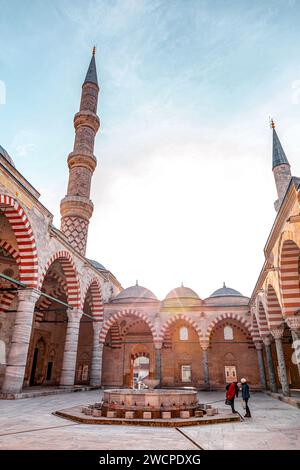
x: 262, y: 320
x: 228, y: 316
x: 289, y: 277
x: 11, y: 250
x: 274, y: 313
x: 176, y: 318
x: 70, y: 272
x: 97, y: 301
x: 28, y: 265
x: 123, y: 313
x: 255, y: 329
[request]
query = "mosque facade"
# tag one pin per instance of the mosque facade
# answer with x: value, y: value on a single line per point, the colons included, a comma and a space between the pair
x: 66, y: 321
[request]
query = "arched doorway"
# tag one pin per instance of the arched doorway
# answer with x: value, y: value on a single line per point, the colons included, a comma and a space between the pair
x: 140, y: 368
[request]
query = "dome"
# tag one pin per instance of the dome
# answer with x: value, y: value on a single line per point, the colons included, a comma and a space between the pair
x: 182, y: 293
x: 226, y: 292
x: 96, y: 264
x: 4, y: 154
x: 136, y: 292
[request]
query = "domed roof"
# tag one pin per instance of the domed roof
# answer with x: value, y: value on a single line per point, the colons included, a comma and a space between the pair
x: 136, y: 292
x: 182, y: 293
x: 226, y: 292
x: 7, y: 157
x: 96, y: 264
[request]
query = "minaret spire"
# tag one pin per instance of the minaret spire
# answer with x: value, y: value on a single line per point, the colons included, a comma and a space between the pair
x: 76, y: 208
x: 280, y: 166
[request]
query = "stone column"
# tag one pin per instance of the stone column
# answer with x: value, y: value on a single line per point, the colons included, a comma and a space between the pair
x: 278, y: 334
x: 158, y: 347
x: 67, y: 377
x: 17, y: 357
x: 204, y: 347
x: 294, y: 324
x: 97, y: 354
x: 270, y: 365
x: 261, y: 367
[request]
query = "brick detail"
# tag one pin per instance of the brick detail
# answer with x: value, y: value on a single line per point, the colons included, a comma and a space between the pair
x: 289, y: 277
x: 76, y: 230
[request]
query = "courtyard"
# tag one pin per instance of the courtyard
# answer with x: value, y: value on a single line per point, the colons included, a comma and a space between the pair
x: 30, y: 424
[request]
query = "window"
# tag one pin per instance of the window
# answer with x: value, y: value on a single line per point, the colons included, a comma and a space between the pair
x: 228, y: 333
x: 186, y: 373
x: 230, y: 374
x: 183, y: 333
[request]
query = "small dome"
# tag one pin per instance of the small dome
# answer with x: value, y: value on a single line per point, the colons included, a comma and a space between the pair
x: 226, y: 292
x: 136, y: 292
x: 7, y: 157
x: 182, y: 293
x: 96, y: 264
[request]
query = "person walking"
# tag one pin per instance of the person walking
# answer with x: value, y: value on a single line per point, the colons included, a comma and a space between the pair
x: 232, y: 391
x: 246, y: 396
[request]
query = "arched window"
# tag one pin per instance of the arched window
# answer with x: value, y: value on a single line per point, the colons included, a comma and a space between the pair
x: 228, y: 333
x: 183, y: 333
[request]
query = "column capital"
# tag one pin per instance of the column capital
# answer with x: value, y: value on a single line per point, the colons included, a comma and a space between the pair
x: 158, y: 345
x: 293, y: 323
x: 74, y: 314
x: 258, y: 345
x: 267, y: 340
x: 277, y: 333
x: 29, y: 295
x: 204, y: 345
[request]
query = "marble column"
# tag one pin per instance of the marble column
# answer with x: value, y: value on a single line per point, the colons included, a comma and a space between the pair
x: 272, y: 378
x: 158, y: 347
x: 97, y: 354
x: 294, y: 324
x: 204, y: 347
x: 261, y: 366
x: 277, y: 333
x: 67, y: 377
x: 17, y: 357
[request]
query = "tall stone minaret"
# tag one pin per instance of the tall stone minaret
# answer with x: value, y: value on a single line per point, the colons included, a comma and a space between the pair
x: 76, y: 208
x: 281, y: 168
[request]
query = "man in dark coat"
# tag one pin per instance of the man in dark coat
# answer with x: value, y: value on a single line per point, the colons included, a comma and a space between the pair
x: 246, y: 396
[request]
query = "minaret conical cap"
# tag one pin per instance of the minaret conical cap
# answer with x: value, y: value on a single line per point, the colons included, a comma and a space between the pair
x: 91, y: 76
x: 279, y: 156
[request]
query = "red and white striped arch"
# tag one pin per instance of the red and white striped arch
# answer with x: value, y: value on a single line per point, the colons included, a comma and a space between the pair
x: 123, y: 313
x: 11, y: 250
x: 28, y: 265
x: 262, y: 320
x: 228, y: 316
x: 164, y: 332
x: 7, y: 297
x: 95, y: 289
x: 255, y: 330
x: 71, y: 275
x: 274, y: 312
x: 289, y: 277
x: 57, y: 291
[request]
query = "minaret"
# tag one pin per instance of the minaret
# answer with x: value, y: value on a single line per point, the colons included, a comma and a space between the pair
x: 76, y: 208
x: 281, y: 168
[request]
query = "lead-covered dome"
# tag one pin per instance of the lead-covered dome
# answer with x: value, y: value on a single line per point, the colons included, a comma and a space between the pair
x: 182, y: 293
x: 7, y: 157
x: 226, y: 291
x: 135, y: 293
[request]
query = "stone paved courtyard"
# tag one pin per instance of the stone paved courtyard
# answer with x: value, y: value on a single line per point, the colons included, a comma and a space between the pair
x: 29, y: 424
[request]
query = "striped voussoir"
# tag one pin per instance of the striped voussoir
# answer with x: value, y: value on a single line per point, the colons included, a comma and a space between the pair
x: 255, y: 330
x: 227, y: 316
x: 262, y: 321
x: 123, y: 313
x: 116, y: 339
x: 28, y: 265
x: 289, y: 277
x: 7, y: 297
x: 56, y: 292
x: 164, y: 332
x: 72, y: 281
x: 96, y: 304
x: 275, y: 317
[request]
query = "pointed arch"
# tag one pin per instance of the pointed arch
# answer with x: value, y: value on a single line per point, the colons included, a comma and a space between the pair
x: 274, y: 317
x: 228, y: 316
x: 255, y: 330
x: 28, y: 265
x: 262, y: 320
x: 94, y: 286
x: 71, y: 275
x: 183, y: 317
x: 289, y: 277
x: 123, y: 313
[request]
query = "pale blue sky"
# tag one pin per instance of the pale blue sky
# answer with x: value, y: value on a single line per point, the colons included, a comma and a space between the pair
x: 187, y: 86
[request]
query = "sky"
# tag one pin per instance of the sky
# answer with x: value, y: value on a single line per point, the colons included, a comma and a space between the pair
x: 183, y: 190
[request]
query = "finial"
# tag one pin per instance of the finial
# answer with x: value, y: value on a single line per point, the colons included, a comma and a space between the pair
x: 272, y: 123
x: 182, y: 284
x: 136, y: 282
x: 94, y: 50
x: 224, y: 285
